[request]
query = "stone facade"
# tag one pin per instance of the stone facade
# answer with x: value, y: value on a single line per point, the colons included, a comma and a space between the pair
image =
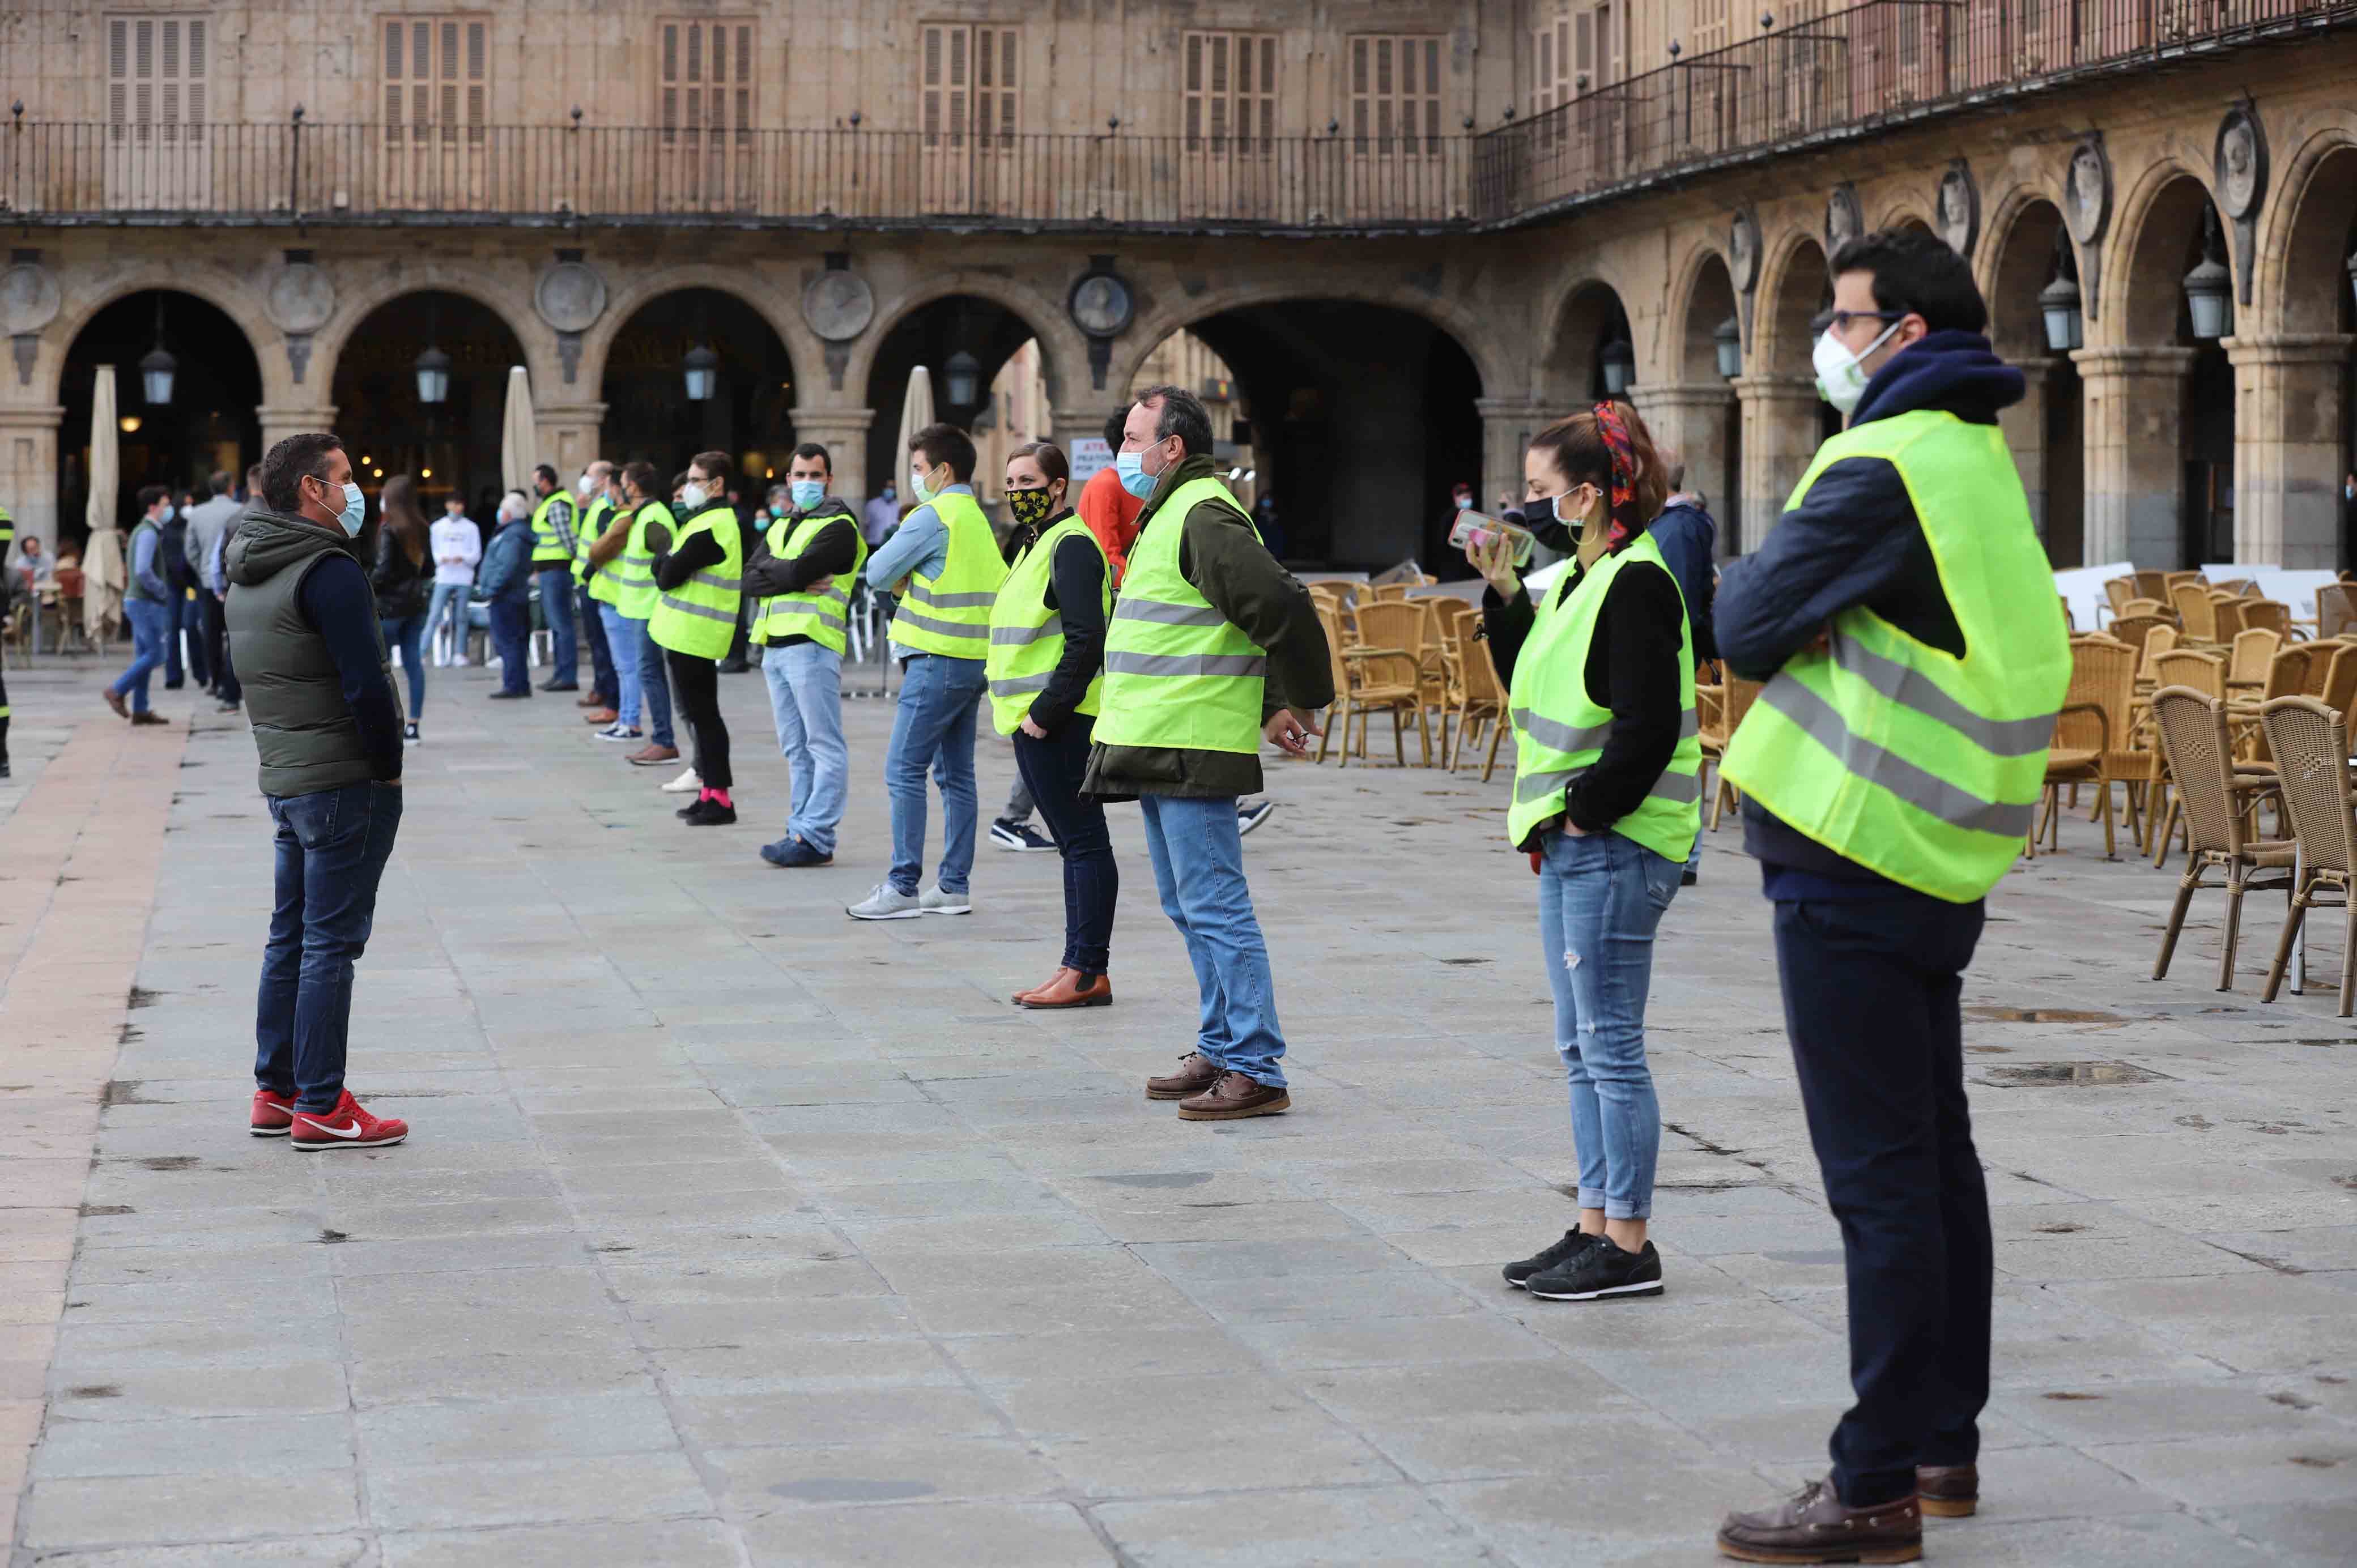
x: 2123, y: 164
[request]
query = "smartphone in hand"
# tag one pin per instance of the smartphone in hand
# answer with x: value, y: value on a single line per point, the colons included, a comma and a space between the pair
x: 1476, y: 532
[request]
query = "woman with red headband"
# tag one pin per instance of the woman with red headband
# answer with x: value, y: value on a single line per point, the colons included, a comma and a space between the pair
x: 1607, y: 782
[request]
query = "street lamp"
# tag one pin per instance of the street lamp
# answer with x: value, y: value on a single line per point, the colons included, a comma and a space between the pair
x: 702, y: 367
x: 2210, y: 287
x: 433, y: 376
x: 2058, y: 302
x: 2352, y: 271
x: 960, y: 378
x: 157, y: 366
x: 1619, y: 362
x: 1729, y: 338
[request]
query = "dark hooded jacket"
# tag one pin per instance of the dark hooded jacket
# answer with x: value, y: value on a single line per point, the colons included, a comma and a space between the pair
x: 1853, y: 540
x: 305, y: 641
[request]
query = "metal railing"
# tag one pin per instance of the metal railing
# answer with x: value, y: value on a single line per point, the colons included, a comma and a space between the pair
x: 55, y: 173
x: 1816, y: 78
x: 1825, y: 74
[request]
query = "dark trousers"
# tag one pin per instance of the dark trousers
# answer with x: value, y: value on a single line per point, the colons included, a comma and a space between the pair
x: 1870, y: 1003
x: 556, y: 609
x: 331, y: 850
x: 510, y: 618
x: 216, y: 646
x: 601, y: 654
x: 695, y: 684
x: 1051, y: 770
x: 181, y: 614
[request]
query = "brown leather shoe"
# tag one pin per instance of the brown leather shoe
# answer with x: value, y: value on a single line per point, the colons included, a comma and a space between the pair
x: 1196, y: 1073
x: 1070, y: 988
x: 593, y: 698
x: 599, y: 715
x: 149, y: 716
x: 1047, y: 985
x: 115, y: 700
x: 1949, y: 1491
x: 1815, y: 1526
x: 1233, y: 1099
x: 652, y: 755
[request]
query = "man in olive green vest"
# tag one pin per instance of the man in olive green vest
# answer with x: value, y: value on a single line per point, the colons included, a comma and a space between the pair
x: 1903, y: 616
x: 303, y: 622
x: 1212, y: 649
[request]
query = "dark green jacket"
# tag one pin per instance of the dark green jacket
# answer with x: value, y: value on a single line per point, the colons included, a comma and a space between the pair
x: 303, y: 726
x: 1224, y: 561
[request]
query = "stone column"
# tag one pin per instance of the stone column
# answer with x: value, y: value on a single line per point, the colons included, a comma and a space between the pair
x: 28, y: 467
x: 1084, y: 421
x: 568, y: 436
x: 1507, y: 427
x: 843, y: 433
x: 2287, y: 460
x: 1779, y: 436
x: 2024, y: 424
x: 2135, y: 411
x: 278, y: 424
x: 1690, y: 418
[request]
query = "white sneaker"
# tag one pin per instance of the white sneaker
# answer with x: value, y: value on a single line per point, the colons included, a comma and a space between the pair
x: 885, y: 903
x: 688, y: 783
x: 933, y: 901
x: 616, y: 732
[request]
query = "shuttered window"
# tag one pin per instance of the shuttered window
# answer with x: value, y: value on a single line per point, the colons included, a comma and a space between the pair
x: 437, y: 77
x: 1231, y: 91
x: 704, y: 77
x: 967, y: 84
x: 1395, y: 93
x: 155, y: 71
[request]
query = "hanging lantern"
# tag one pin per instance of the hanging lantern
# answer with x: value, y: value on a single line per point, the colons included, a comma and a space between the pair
x: 1619, y: 362
x: 2210, y: 287
x: 961, y: 379
x: 433, y: 376
x: 1729, y: 338
x: 702, y: 367
x: 2058, y: 302
x: 156, y: 368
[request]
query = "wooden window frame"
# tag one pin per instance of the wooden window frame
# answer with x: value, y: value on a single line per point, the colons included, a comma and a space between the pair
x: 451, y: 90
x: 702, y: 61
x: 161, y: 102
x: 970, y: 85
x: 1394, y: 81
x: 1229, y: 83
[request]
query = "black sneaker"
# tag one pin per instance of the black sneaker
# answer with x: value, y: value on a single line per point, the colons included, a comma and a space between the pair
x: 1020, y: 837
x: 1600, y: 1271
x: 409, y: 732
x: 1573, y: 1245
x: 709, y: 813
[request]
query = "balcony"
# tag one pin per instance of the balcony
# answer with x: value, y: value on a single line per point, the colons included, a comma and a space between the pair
x: 1850, y: 73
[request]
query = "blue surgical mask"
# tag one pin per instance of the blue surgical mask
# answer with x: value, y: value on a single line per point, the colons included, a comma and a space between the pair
x: 1130, y: 468
x: 355, y: 510
x: 807, y: 493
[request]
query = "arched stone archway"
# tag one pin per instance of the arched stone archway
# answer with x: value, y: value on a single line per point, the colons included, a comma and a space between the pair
x: 1693, y: 412
x: 357, y: 298
x: 2044, y: 429
x: 1590, y: 322
x: 643, y: 387
x: 223, y: 291
x: 2297, y: 372
x: 453, y: 446
x: 1783, y: 417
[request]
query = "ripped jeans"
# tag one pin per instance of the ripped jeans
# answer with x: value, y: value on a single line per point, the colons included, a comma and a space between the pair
x: 1601, y: 898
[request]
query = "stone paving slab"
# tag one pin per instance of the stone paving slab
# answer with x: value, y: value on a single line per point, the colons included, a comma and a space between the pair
x: 732, y: 1233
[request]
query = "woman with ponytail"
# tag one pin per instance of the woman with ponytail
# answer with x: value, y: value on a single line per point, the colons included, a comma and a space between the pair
x: 1606, y: 785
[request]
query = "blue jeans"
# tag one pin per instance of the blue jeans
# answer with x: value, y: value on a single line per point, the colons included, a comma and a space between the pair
x: 655, y: 686
x: 622, y: 642
x: 1199, y: 868
x: 148, y: 621
x: 557, y: 608
x: 806, y: 701
x: 408, y: 634
x: 934, y: 728
x: 593, y: 633
x: 1054, y: 769
x: 181, y: 614
x: 510, y: 628
x: 1601, y: 898
x: 451, y: 599
x: 331, y: 848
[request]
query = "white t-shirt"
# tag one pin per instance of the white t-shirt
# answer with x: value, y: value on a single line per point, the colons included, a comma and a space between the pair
x: 457, y: 546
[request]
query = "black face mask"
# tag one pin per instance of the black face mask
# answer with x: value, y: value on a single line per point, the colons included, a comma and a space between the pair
x: 1538, y: 516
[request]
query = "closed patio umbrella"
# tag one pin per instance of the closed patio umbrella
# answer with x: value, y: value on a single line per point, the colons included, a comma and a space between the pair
x: 103, y: 574
x: 916, y: 413
x: 519, y: 437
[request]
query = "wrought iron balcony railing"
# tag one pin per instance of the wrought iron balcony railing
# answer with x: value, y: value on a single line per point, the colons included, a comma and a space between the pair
x: 1817, y: 77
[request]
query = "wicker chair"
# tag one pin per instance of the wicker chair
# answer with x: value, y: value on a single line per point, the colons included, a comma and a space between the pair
x: 2151, y: 585
x: 2336, y: 609
x: 2089, y: 731
x: 1735, y: 700
x: 2270, y: 615
x: 2133, y: 629
x: 2193, y: 734
x: 2254, y: 654
x: 2312, y: 744
x: 2203, y: 671
x: 1391, y: 682
x: 2195, y: 612
x: 2150, y: 608
x: 1482, y: 704
x: 2118, y: 592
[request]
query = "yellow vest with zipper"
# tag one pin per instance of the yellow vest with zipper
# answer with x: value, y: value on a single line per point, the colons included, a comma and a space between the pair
x: 950, y: 615
x: 1026, y: 638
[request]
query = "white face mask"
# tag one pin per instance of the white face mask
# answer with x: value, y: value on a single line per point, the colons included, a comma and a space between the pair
x: 581, y: 487
x: 1841, y: 375
x: 694, y: 496
x: 917, y: 486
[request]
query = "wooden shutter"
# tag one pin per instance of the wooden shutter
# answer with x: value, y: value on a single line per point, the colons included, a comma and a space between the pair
x: 156, y: 69
x: 994, y: 50
x: 969, y: 80
x: 1231, y: 91
x: 437, y: 74
x: 1395, y: 93
x: 703, y: 72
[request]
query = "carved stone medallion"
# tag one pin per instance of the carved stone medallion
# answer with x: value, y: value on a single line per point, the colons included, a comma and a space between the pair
x: 1843, y: 222
x: 570, y: 297
x: 1957, y: 211
x: 2241, y: 162
x: 301, y: 298
x: 1743, y: 251
x: 2087, y: 192
x: 838, y: 305
x: 1102, y: 304
x: 29, y: 298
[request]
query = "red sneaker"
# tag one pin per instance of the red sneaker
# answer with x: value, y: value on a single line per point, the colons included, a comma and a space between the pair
x: 274, y: 1113
x: 347, y: 1127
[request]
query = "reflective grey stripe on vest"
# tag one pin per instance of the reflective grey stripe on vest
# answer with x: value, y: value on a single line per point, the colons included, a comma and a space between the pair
x: 942, y: 628
x: 708, y: 613
x: 1162, y: 612
x: 1015, y: 636
x: 797, y: 609
x: 1121, y: 662
x: 1564, y: 738
x: 714, y: 580
x: 1924, y: 790
x: 1912, y: 690
x: 1018, y: 686
x: 924, y: 595
x: 1680, y: 789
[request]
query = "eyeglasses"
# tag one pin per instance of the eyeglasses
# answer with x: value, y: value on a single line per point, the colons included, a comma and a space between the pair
x: 1839, y: 320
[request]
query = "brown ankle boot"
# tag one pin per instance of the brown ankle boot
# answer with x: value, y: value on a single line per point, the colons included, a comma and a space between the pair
x: 1196, y: 1073
x: 1047, y: 984
x: 1233, y: 1098
x: 1815, y: 1526
x: 1949, y: 1491
x: 1070, y: 988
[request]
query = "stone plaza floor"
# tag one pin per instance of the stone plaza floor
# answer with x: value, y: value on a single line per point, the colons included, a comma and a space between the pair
x: 732, y: 1232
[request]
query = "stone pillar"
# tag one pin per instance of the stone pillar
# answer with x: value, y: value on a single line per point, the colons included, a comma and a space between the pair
x: 566, y: 434
x: 843, y: 433
x: 28, y: 469
x: 2287, y: 461
x: 2024, y: 424
x: 278, y: 424
x: 1085, y: 422
x: 1507, y: 427
x: 1690, y: 418
x: 2135, y: 411
x: 1779, y: 436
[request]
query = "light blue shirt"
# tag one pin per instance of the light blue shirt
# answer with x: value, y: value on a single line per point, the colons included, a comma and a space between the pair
x: 922, y: 544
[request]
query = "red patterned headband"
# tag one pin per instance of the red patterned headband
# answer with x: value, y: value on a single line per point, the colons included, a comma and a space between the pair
x: 1615, y: 431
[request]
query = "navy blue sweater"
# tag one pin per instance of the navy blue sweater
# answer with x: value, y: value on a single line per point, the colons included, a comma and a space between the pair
x: 1853, y: 540
x: 337, y: 600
